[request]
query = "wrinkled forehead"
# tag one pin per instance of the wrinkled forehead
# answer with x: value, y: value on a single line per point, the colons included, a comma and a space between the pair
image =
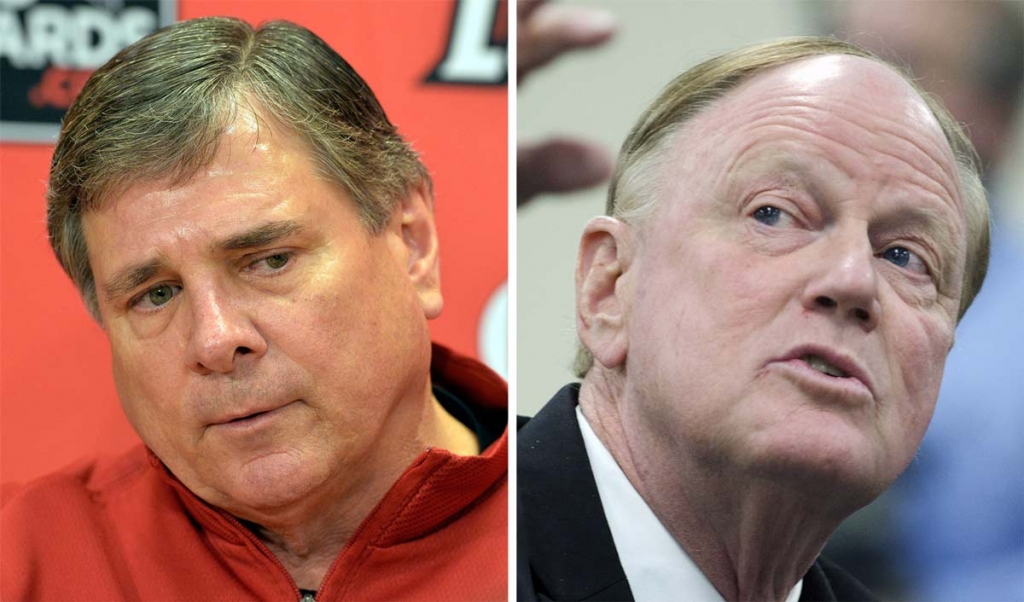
x: 865, y: 92
x: 848, y: 78
x: 864, y: 104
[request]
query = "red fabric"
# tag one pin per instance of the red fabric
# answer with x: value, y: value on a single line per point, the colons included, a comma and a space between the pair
x: 125, y: 528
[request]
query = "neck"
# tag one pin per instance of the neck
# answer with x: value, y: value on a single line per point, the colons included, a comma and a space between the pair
x: 308, y: 535
x: 752, y: 537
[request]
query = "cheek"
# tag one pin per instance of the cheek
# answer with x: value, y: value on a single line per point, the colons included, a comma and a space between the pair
x: 919, y: 352
x: 749, y: 291
x: 330, y: 302
x: 149, y: 393
x: 698, y: 309
x: 348, y: 318
x: 731, y: 295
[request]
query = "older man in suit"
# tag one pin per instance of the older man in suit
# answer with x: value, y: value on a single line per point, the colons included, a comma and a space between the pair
x: 793, y: 232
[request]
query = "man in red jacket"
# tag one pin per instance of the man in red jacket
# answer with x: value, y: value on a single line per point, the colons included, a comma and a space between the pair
x: 258, y: 243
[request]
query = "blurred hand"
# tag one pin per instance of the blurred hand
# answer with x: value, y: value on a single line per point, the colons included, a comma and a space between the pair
x: 545, y: 31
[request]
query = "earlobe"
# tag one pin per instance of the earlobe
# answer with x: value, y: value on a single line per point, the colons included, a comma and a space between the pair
x: 419, y: 240
x: 601, y: 292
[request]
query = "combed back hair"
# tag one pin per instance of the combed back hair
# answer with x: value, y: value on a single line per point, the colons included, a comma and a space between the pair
x: 158, y: 110
x: 632, y: 194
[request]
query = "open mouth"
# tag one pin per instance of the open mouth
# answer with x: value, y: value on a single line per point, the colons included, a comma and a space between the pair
x: 846, y: 381
x: 821, y: 365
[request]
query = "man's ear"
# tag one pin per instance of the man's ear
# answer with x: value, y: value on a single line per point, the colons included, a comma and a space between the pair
x: 601, y: 293
x: 416, y: 235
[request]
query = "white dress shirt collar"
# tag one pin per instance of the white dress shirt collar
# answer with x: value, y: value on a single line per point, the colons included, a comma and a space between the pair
x: 656, y: 565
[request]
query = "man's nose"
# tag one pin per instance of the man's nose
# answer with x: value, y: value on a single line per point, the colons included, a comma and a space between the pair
x: 222, y: 333
x: 844, y: 281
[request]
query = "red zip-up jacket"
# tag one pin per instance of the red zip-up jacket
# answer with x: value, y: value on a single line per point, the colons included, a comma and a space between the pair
x: 127, y: 529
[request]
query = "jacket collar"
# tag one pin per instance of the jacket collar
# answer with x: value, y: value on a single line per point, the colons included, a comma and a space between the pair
x: 566, y: 551
x: 565, y: 548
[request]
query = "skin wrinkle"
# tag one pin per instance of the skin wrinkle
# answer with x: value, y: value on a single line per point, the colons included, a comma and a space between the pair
x: 736, y: 459
x: 803, y: 176
x: 829, y: 109
x: 872, y: 238
x: 238, y: 339
x: 754, y: 146
x: 643, y: 478
x: 182, y: 151
x: 265, y: 235
x: 922, y: 114
x: 944, y: 187
x: 902, y: 220
x: 133, y: 276
x: 901, y: 225
x: 936, y: 188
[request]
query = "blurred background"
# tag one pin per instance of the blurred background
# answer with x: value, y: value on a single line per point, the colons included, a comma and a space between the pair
x: 952, y: 528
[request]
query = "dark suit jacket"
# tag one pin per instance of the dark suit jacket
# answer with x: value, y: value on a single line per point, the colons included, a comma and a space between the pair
x: 565, y: 548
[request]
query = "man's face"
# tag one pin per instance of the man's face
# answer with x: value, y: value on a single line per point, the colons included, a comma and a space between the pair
x: 795, y: 293
x: 263, y: 340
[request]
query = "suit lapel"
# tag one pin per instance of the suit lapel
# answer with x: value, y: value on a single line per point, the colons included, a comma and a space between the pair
x: 826, y: 582
x: 565, y: 547
x: 816, y: 586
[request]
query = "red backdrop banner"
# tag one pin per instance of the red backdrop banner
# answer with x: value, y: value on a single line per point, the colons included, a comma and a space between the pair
x: 439, y: 69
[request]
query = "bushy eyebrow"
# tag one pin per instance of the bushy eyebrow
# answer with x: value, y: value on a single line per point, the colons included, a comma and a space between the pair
x: 134, y: 275
x: 260, y: 236
x: 130, y: 277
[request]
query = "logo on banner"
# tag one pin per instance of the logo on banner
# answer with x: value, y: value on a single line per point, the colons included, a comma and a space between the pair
x: 48, y: 49
x: 477, y: 50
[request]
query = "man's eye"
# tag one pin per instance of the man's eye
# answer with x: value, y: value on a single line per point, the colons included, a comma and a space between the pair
x: 273, y: 262
x: 156, y: 296
x: 905, y: 258
x: 769, y: 215
x: 277, y: 260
